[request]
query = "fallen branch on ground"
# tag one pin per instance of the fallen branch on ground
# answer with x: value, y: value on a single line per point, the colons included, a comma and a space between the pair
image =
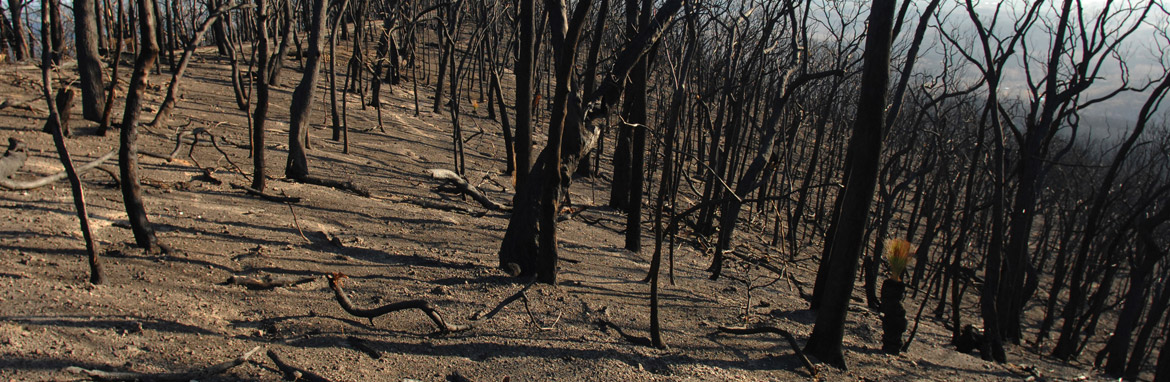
x: 293, y: 373
x: 769, y: 329
x: 604, y: 324
x: 461, y: 185
x: 370, y: 314
x: 485, y: 314
x: 101, y: 375
x: 266, y: 282
x: 46, y: 180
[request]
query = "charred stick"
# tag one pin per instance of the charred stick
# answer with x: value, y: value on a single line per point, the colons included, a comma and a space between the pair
x: 423, y: 305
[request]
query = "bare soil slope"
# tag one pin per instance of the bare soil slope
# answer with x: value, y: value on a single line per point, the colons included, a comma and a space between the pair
x: 174, y: 313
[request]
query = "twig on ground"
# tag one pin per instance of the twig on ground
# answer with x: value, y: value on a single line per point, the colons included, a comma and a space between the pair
x: 46, y: 180
x: 267, y: 196
x: 603, y: 325
x: 102, y: 375
x: 370, y: 314
x: 293, y: 373
x: 297, y: 222
x: 536, y: 321
x: 485, y: 314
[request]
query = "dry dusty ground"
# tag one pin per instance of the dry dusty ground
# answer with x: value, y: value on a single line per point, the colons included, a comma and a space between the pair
x: 171, y: 313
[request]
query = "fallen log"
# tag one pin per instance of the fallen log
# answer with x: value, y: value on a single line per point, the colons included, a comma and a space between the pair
x: 102, y: 375
x: 461, y: 185
x: 266, y: 282
x: 49, y: 179
x: 370, y: 314
x: 784, y: 333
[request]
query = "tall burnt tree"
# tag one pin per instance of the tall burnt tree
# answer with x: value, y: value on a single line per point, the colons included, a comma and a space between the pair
x: 260, y: 116
x: 302, y: 101
x: 520, y: 251
x: 144, y: 234
x: 864, y: 150
x: 55, y: 126
x: 89, y: 65
x: 19, y: 40
x: 525, y: 60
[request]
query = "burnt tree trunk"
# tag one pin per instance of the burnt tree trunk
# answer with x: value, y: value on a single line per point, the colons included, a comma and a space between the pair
x: 55, y: 125
x: 865, y: 153
x: 89, y: 66
x: 261, y: 113
x: 519, y: 250
x: 297, y: 166
x: 144, y: 234
x: 164, y: 110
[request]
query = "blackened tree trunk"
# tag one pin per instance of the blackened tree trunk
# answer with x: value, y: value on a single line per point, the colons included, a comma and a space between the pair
x: 302, y: 101
x: 565, y: 34
x: 865, y: 153
x: 144, y: 234
x: 590, y: 75
x: 219, y: 31
x: 89, y: 66
x: 1145, y: 335
x: 286, y: 36
x: 107, y: 113
x: 525, y: 60
x: 635, y: 114
x: 19, y: 40
x: 56, y: 30
x: 893, y: 316
x: 261, y: 113
x: 54, y: 125
x: 1163, y: 371
x: 519, y: 249
x: 164, y: 110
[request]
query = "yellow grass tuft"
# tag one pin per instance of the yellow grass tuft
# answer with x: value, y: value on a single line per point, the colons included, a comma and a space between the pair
x: 899, y: 255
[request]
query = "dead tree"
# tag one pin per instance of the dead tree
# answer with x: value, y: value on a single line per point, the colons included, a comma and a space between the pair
x: 519, y: 249
x: 864, y: 153
x: 261, y: 113
x: 53, y: 124
x: 302, y: 101
x: 164, y: 110
x: 19, y: 41
x: 144, y: 234
x: 89, y: 65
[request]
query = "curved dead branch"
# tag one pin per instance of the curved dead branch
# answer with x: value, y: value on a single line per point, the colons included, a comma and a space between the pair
x: 102, y: 375
x: 423, y: 305
x: 293, y: 373
x: 49, y: 179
